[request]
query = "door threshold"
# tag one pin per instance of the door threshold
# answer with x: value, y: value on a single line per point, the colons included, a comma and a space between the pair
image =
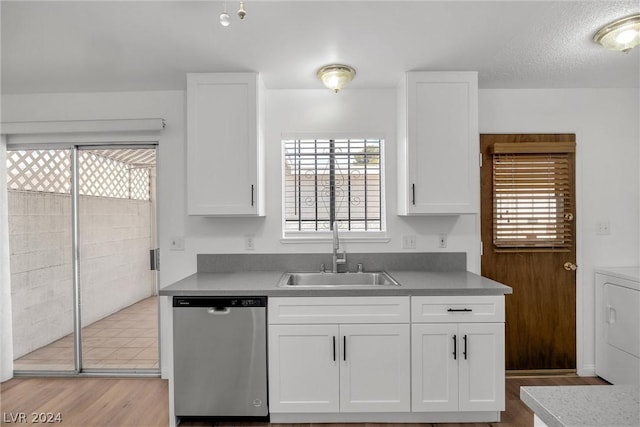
x: 541, y: 373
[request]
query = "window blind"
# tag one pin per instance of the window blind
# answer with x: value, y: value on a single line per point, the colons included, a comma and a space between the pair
x: 533, y: 200
x: 327, y: 180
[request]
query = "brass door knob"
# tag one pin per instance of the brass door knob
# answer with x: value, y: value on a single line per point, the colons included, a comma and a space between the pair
x: 569, y: 266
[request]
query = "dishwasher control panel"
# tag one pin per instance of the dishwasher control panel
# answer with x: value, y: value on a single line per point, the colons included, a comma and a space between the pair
x: 220, y: 302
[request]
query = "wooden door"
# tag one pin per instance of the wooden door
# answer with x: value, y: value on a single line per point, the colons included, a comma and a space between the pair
x: 541, y: 313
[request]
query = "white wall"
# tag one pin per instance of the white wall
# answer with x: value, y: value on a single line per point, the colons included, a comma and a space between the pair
x: 321, y: 112
x: 605, y: 122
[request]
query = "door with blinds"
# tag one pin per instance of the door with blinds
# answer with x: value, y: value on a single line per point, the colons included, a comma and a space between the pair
x: 528, y: 235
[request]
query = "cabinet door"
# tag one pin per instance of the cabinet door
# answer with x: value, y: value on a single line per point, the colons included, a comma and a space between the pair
x: 439, y: 155
x: 224, y: 162
x: 374, y: 368
x: 482, y: 384
x: 303, y: 368
x: 434, y: 363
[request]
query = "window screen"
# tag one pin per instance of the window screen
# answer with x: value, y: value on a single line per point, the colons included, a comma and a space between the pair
x: 533, y: 197
x: 327, y: 180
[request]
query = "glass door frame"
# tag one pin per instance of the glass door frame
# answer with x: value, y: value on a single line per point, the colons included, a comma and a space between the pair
x: 75, y: 249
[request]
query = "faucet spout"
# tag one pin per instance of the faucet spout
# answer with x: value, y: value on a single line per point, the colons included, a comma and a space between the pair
x: 336, y: 246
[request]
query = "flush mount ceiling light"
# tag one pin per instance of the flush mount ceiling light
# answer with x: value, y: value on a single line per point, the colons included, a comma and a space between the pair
x: 336, y: 76
x: 622, y: 35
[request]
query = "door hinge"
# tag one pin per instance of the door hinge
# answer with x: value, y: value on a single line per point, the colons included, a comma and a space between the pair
x: 154, y: 259
x: 481, y: 248
x: 481, y: 159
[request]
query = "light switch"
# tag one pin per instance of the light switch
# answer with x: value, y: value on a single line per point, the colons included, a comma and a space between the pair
x: 603, y: 228
x: 409, y: 241
x: 176, y: 244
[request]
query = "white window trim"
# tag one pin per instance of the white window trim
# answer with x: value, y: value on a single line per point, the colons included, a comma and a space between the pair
x: 302, y: 237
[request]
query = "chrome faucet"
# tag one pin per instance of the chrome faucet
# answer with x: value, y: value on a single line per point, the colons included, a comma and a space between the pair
x: 336, y: 246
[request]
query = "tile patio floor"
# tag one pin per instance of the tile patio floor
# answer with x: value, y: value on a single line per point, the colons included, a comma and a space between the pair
x: 127, y: 339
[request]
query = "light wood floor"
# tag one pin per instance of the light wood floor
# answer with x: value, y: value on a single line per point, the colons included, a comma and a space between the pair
x: 100, y: 402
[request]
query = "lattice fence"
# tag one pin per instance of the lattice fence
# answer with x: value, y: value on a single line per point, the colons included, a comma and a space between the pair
x: 42, y: 170
x: 50, y: 171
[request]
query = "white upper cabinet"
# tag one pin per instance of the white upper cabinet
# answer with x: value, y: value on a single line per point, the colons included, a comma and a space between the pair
x: 225, y: 155
x: 438, y: 144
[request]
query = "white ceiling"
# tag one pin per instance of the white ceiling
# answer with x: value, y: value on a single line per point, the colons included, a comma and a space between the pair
x: 65, y: 46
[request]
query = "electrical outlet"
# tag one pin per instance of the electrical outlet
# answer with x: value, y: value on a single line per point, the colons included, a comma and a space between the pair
x: 409, y: 241
x: 249, y: 243
x: 603, y: 228
x: 176, y: 244
x: 442, y: 240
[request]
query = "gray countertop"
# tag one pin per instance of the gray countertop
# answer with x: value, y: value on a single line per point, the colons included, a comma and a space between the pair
x: 580, y: 406
x: 264, y: 283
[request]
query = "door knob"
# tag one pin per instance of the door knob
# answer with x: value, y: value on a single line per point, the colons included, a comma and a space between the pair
x: 569, y: 266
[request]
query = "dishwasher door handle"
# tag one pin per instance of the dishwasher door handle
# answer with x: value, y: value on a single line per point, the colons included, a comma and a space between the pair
x: 218, y: 310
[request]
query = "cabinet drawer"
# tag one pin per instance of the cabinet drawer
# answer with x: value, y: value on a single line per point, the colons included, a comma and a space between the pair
x: 435, y: 309
x: 326, y: 310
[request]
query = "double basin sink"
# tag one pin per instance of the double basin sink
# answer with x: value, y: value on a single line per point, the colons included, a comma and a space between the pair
x: 330, y: 280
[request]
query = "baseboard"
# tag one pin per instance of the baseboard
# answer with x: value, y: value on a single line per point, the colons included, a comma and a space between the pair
x: 528, y: 373
x: 587, y: 371
x: 386, y: 417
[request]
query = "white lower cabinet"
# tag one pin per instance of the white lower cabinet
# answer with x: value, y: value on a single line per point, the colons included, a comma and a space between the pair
x: 458, y: 367
x: 339, y: 368
x: 386, y: 359
x: 303, y: 368
x: 339, y: 355
x: 374, y: 368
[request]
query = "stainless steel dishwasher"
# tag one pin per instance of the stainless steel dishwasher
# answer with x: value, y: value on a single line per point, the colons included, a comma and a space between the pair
x: 220, y: 356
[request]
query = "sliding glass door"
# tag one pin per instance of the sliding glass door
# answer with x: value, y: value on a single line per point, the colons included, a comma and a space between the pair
x: 40, y: 228
x: 117, y: 232
x: 97, y: 311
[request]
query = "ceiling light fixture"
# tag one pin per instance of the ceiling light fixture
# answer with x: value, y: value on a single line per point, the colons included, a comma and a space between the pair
x: 225, y: 19
x: 622, y: 35
x: 336, y: 76
x: 241, y: 12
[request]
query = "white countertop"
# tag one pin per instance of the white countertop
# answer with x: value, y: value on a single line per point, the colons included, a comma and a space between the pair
x: 581, y: 406
x: 264, y: 283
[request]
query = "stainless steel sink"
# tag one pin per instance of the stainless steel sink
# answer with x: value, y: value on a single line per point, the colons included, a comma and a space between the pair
x: 323, y: 280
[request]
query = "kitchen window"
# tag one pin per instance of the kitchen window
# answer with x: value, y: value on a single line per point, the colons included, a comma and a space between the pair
x: 327, y: 180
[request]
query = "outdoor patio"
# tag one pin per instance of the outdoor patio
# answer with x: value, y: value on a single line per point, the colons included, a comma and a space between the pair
x: 127, y: 339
